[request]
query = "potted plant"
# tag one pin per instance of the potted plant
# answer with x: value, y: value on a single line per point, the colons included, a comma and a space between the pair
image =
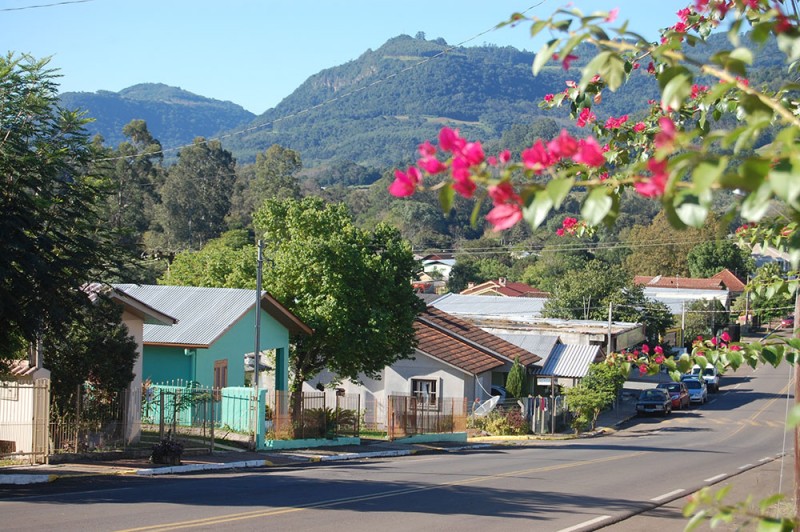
x: 167, y: 451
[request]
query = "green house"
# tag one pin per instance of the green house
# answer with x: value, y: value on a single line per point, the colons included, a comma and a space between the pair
x: 214, y: 335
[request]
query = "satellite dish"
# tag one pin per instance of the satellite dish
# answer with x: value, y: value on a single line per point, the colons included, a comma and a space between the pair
x: 486, y: 406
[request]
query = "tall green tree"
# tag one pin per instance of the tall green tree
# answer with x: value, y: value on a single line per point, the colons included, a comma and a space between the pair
x: 709, y: 258
x: 351, y: 286
x: 516, y: 384
x: 196, y: 196
x: 225, y: 262
x: 54, y: 239
x: 273, y: 175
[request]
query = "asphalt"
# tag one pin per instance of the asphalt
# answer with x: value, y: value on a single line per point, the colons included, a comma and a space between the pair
x: 191, y: 462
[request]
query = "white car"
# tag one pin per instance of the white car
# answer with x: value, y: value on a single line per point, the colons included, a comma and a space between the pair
x: 709, y: 375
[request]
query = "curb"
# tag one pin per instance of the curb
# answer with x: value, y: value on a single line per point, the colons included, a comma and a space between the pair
x: 19, y: 480
x: 202, y: 467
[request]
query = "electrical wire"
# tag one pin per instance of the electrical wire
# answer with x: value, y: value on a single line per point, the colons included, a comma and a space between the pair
x: 54, y: 4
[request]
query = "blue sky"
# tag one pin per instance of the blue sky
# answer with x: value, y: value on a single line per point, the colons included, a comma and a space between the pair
x: 256, y: 52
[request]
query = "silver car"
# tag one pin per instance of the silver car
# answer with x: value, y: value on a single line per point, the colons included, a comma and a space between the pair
x: 698, y: 391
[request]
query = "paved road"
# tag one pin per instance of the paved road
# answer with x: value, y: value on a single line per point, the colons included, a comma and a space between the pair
x: 559, y: 486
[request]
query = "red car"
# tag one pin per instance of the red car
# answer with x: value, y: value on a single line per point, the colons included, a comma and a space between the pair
x: 678, y: 393
x: 787, y: 322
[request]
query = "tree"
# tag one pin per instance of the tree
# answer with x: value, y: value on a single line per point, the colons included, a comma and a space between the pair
x: 53, y: 238
x: 593, y: 394
x: 583, y: 294
x: 196, y: 195
x: 96, y: 349
x: 351, y: 286
x: 274, y: 175
x: 705, y: 318
x: 661, y: 249
x: 516, y: 384
x: 224, y: 262
x: 710, y: 258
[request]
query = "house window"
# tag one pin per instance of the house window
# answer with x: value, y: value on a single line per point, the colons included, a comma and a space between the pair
x: 220, y: 373
x: 425, y: 390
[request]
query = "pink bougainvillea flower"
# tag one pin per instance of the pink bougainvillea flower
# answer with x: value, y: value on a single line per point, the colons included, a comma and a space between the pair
x: 569, y: 223
x: 645, y: 349
x: 642, y: 369
x: 725, y: 336
x: 665, y: 138
x: 736, y: 348
x: 462, y: 179
x: 559, y: 232
x: 589, y: 153
x: 616, y: 123
x: 536, y: 157
x: 504, y: 156
x: 566, y: 61
x: 683, y: 14
x: 426, y: 149
x: 654, y: 186
x: 473, y: 153
x: 432, y: 165
x: 783, y: 24
x: 659, y: 350
x: 603, y: 176
x: 404, y: 183
x: 449, y: 140
x: 586, y: 116
x: 564, y: 145
x: 612, y: 15
x: 571, y: 84
x: 651, y: 68
x: 658, y: 359
x: 639, y: 127
x: 504, y: 216
x: 713, y: 340
x: 503, y: 193
x: 548, y: 97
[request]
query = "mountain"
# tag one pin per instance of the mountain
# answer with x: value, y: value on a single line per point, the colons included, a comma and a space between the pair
x: 174, y: 116
x: 376, y: 109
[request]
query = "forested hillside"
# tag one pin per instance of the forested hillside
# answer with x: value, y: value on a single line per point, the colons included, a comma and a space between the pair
x: 173, y: 115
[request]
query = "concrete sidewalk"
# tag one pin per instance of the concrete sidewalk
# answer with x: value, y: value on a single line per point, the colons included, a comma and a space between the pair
x: 232, y: 460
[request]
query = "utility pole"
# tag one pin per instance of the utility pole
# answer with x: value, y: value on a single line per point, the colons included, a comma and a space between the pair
x: 683, y: 323
x: 796, y: 334
x: 608, y: 345
x: 257, y: 351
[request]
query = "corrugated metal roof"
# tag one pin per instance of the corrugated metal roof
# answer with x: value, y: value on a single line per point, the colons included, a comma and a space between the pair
x: 203, y: 314
x: 522, y: 308
x: 570, y: 361
x: 677, y: 299
x: 541, y: 344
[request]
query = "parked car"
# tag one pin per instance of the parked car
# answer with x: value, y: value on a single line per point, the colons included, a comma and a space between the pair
x: 654, y: 401
x: 787, y: 322
x: 698, y: 391
x: 709, y: 375
x: 678, y: 393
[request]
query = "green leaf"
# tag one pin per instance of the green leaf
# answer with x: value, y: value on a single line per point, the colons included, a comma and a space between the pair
x: 538, y: 26
x: 790, y: 45
x: 757, y: 203
x: 692, y: 213
x: 544, y: 55
x: 754, y: 109
x: 785, y: 183
x: 446, y: 197
x: 536, y: 212
x: 596, y: 206
x: 706, y: 174
x: 558, y: 189
x: 676, y: 92
x: 772, y: 500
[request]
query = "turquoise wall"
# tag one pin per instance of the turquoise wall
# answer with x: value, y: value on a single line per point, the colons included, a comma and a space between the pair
x: 163, y: 364
x: 232, y: 345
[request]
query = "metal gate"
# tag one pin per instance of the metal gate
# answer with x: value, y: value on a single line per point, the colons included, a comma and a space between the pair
x: 410, y: 415
x: 24, y: 416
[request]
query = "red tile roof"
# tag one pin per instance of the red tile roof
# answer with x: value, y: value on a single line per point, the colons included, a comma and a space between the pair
x: 464, y: 345
x: 732, y: 282
x: 689, y: 283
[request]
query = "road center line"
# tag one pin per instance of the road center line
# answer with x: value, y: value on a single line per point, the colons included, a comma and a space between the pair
x: 667, y: 495
x: 586, y: 523
x: 715, y: 478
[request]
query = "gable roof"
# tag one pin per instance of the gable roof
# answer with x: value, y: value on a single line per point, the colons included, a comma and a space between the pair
x: 541, y: 344
x: 569, y: 360
x: 502, y: 287
x: 139, y: 308
x: 468, y: 345
x: 731, y: 280
x: 528, y: 308
x: 204, y: 314
x: 677, y: 283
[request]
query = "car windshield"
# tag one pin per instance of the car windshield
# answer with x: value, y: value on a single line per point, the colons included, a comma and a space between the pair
x: 708, y: 371
x: 673, y: 386
x: 652, y: 394
x: 693, y: 384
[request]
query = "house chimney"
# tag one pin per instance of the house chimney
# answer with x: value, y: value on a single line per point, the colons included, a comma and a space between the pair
x: 470, y: 284
x: 502, y: 281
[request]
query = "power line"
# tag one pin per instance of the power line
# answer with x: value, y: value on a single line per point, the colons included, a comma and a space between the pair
x: 65, y: 2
